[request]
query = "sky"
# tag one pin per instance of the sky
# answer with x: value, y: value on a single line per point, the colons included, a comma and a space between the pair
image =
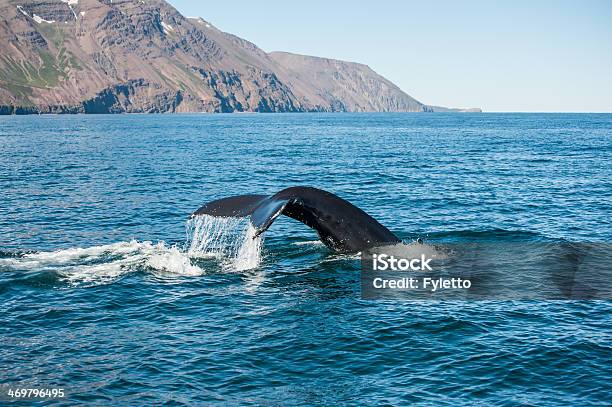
x: 512, y: 56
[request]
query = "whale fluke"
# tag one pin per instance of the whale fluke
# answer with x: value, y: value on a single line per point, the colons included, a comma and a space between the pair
x: 341, y: 226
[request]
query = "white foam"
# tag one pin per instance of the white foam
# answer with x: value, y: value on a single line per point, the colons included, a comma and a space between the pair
x: 174, y: 262
x: 106, y: 263
x: 93, y: 274
x: 62, y: 257
x: 341, y: 257
x: 231, y: 240
x: 309, y: 243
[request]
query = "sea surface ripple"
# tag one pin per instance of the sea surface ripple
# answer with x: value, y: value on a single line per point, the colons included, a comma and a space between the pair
x: 101, y: 295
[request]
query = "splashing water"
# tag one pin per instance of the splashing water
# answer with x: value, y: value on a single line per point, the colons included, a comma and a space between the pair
x: 105, y: 263
x: 171, y: 260
x: 231, y: 239
x: 249, y: 254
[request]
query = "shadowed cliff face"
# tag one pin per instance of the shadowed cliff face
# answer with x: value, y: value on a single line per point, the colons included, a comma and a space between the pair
x: 98, y: 56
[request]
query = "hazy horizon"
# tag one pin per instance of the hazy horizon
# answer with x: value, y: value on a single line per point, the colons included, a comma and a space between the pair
x: 518, y: 57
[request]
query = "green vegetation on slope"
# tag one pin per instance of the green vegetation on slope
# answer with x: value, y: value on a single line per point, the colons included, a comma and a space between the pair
x: 19, y: 77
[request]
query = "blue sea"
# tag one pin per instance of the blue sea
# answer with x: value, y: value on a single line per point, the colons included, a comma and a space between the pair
x: 102, y: 296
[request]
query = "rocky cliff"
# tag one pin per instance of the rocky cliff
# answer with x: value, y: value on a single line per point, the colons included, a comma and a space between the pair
x: 114, y: 56
x: 346, y: 86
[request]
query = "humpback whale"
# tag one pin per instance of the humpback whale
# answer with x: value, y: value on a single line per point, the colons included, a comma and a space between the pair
x: 341, y: 226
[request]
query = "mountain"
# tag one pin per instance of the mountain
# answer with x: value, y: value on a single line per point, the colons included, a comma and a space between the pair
x: 114, y: 56
x: 346, y: 86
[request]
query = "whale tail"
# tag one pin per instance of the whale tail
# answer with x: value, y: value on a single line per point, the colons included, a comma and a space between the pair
x: 342, y: 226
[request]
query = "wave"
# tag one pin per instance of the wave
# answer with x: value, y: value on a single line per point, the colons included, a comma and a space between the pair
x: 231, y: 241
x: 229, y: 245
x: 105, y: 263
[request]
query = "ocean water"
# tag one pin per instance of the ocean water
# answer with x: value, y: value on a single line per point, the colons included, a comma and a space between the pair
x: 108, y: 292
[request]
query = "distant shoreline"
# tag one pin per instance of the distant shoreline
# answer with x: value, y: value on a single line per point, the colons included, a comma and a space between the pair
x: 145, y: 57
x: 64, y: 110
